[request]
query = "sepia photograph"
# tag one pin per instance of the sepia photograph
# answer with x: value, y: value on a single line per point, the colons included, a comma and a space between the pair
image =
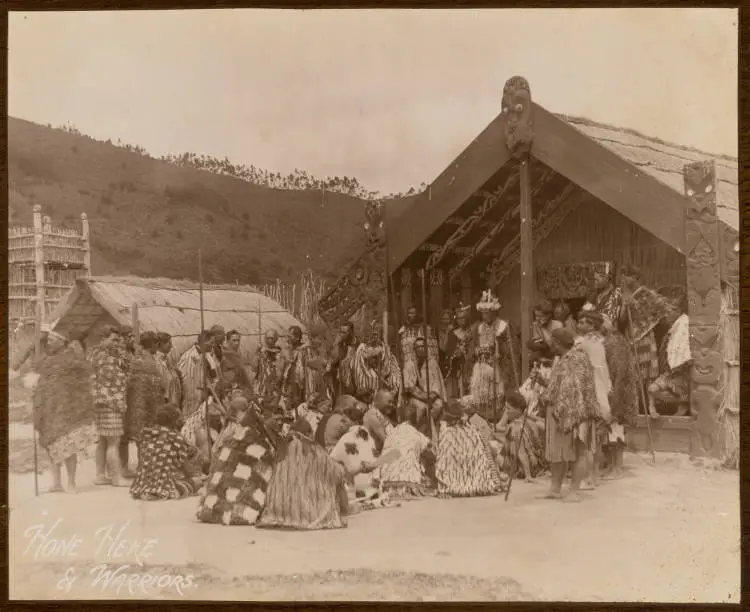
x: 412, y: 305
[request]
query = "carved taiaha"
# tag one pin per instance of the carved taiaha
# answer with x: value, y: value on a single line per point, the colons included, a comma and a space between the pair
x: 702, y: 246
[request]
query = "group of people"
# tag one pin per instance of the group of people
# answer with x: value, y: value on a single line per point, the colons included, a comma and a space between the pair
x: 311, y: 432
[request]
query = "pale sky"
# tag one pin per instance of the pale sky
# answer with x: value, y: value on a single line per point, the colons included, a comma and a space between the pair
x: 390, y: 97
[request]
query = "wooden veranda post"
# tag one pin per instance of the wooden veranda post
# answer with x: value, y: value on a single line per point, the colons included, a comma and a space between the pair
x: 519, y: 134
x: 527, y: 268
x: 703, y: 250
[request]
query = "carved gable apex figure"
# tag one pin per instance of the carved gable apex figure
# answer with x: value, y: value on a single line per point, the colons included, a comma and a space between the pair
x: 374, y: 223
x: 517, y: 109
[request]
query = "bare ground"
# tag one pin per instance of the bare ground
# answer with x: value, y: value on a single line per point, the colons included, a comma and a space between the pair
x: 666, y: 533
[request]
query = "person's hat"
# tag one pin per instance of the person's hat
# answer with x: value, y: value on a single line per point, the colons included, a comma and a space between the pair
x: 454, y: 409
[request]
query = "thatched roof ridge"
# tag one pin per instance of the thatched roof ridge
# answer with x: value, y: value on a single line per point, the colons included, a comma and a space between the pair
x: 585, y: 121
x: 170, y: 306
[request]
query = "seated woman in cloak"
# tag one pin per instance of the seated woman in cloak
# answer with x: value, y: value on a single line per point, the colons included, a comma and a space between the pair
x: 464, y: 466
x: 168, y: 467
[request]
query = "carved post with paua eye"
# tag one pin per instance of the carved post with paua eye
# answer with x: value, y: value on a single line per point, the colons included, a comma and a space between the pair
x: 702, y: 247
x: 519, y: 134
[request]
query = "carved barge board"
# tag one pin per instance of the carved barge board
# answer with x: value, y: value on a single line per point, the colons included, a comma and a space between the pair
x: 703, y: 249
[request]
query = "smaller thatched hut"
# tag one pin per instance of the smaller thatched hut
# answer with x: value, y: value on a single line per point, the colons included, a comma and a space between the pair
x: 169, y: 306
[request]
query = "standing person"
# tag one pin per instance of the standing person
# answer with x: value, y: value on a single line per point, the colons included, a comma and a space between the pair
x: 416, y: 393
x: 608, y: 301
x: 592, y: 342
x: 171, y: 379
x: 624, y: 397
x: 145, y: 393
x: 444, y: 332
x: 318, y: 362
x: 344, y: 347
x: 408, y: 335
x: 563, y: 315
x: 63, y: 408
x: 218, y: 336
x: 294, y: 383
x: 375, y: 366
x: 544, y: 322
x: 195, y: 375
x: 232, y: 365
x: 458, y: 354
x: 490, y: 368
x: 109, y: 361
x: 571, y: 410
x: 269, y: 367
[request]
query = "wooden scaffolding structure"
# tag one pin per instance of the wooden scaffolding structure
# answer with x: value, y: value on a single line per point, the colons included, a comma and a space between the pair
x: 43, y: 264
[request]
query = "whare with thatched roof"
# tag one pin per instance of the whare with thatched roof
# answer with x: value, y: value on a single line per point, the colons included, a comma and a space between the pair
x: 170, y: 306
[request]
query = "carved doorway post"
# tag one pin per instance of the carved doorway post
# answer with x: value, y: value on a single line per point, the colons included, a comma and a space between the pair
x: 704, y: 302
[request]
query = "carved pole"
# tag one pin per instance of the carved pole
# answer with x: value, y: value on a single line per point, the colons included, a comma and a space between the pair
x: 704, y: 302
x: 519, y: 134
x: 39, y: 267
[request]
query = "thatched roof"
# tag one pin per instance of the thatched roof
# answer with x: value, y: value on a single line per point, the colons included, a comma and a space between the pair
x: 169, y: 306
x: 664, y: 161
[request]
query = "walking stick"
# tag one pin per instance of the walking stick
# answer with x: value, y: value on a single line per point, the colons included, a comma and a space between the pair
x: 38, y: 355
x: 204, y: 363
x: 639, y: 381
x: 514, y: 463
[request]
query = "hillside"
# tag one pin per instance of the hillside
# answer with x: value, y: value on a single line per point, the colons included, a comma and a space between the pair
x: 148, y: 217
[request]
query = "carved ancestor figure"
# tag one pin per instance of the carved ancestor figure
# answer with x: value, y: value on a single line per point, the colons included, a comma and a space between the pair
x: 365, y: 281
x: 704, y: 299
x: 517, y: 108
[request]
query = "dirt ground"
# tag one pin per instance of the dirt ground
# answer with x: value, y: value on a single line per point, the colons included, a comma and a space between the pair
x: 668, y: 533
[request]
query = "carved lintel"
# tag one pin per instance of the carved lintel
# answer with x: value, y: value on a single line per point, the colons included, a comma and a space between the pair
x: 519, y: 116
x: 703, y: 263
x: 406, y: 274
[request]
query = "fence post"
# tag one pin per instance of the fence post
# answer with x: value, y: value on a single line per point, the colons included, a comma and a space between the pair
x: 85, y: 239
x: 39, y: 265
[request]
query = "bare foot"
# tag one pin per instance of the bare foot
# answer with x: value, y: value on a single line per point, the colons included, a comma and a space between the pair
x: 71, y: 488
x: 553, y: 495
x: 588, y: 486
x: 573, y: 497
x: 56, y: 489
x: 101, y: 481
x: 120, y: 483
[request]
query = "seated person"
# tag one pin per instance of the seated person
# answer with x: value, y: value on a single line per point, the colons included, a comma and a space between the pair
x: 167, y: 466
x: 464, y: 465
x: 526, y: 440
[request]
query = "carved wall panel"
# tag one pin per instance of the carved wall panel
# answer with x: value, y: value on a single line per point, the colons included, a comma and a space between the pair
x: 730, y: 255
x: 407, y: 291
x: 703, y: 259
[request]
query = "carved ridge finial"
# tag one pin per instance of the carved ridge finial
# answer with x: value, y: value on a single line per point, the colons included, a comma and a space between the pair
x: 37, y: 208
x: 517, y: 109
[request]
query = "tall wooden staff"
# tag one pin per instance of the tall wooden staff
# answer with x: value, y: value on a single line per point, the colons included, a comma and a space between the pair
x: 204, y: 364
x: 37, y: 355
x: 427, y: 345
x: 390, y: 302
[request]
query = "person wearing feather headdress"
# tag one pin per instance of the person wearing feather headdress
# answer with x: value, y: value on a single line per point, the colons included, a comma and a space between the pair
x: 488, y: 377
x: 458, y: 354
x: 64, y: 408
x: 375, y: 367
